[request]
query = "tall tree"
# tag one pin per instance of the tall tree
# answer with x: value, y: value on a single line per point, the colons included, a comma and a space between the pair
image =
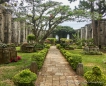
x: 3, y: 1
x: 62, y: 31
x: 44, y: 16
x: 97, y: 10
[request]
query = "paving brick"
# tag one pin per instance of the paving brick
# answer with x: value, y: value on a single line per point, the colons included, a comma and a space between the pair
x: 56, y: 71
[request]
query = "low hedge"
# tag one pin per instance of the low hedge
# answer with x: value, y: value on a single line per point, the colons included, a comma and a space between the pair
x: 92, y: 53
x: 73, y: 59
x: 39, y: 57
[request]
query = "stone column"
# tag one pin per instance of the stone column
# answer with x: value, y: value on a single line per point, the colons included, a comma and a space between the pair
x: 8, y: 32
x: 24, y: 32
x: 1, y: 25
x: 81, y: 32
x: 15, y: 31
x: 57, y: 37
x: 86, y: 31
x: 19, y: 32
x: 68, y: 36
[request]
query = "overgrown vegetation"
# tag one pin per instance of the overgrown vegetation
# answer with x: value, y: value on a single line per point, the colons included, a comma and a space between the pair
x: 7, y: 71
x: 73, y: 59
x: 39, y: 57
x: 95, y: 77
x: 25, y: 78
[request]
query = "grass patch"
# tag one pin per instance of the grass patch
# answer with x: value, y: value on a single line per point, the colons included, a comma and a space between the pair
x: 7, y: 71
x: 18, y: 48
x: 91, y: 60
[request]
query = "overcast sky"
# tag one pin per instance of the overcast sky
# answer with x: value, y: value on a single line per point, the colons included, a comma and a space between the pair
x: 75, y: 25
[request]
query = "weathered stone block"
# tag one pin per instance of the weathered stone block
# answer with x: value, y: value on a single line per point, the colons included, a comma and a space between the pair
x: 34, y: 67
x: 79, y: 69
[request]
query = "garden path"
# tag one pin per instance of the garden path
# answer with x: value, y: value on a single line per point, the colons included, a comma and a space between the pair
x: 56, y: 71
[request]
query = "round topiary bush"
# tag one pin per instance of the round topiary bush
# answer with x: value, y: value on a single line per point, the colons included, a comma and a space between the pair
x: 25, y: 78
x: 95, y: 77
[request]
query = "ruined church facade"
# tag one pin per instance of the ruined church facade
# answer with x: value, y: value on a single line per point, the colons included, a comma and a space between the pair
x: 86, y: 32
x: 12, y: 31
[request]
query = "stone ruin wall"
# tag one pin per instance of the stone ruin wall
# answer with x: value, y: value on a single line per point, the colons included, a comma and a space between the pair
x: 86, y: 32
x: 12, y: 31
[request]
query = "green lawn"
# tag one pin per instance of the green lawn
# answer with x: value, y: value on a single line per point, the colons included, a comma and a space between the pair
x: 91, y: 60
x: 7, y: 71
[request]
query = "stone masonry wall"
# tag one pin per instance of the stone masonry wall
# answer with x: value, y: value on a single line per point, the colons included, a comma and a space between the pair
x: 86, y: 32
x: 12, y: 31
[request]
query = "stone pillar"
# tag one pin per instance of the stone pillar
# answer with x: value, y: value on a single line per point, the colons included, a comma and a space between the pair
x: 22, y: 27
x: 78, y: 36
x: 68, y: 36
x: 86, y: 31
x: 24, y: 32
x: 92, y: 31
x: 79, y: 69
x: 81, y: 32
x: 57, y: 37
x: 19, y: 32
x: 15, y: 31
x: 7, y: 29
x: 1, y: 25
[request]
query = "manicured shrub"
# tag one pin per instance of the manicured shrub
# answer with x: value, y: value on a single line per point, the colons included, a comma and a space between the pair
x: 39, y: 46
x: 39, y: 57
x: 52, y: 40
x: 67, y: 55
x: 95, y: 77
x: 74, y: 60
x: 63, y: 45
x: 31, y: 37
x: 93, y: 53
x: 24, y: 78
x: 58, y: 46
x: 47, y: 46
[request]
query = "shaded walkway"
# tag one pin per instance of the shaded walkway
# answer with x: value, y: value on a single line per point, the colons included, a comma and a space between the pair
x: 56, y: 71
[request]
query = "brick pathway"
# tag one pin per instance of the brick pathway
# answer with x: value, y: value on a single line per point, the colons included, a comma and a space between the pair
x: 56, y: 71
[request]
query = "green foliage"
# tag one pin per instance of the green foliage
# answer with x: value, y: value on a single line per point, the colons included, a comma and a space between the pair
x: 39, y: 57
x: 3, y: 1
x: 63, y: 29
x: 31, y: 37
x: 58, y: 46
x: 3, y: 84
x: 39, y: 46
x: 73, y: 59
x: 95, y: 77
x: 93, y: 53
x: 25, y: 78
x: 47, y: 46
x: 52, y: 40
x: 2, y: 45
x: 11, y: 45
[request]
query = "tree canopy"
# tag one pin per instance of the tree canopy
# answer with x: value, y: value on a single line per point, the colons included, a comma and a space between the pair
x: 2, y: 1
x: 62, y: 31
x: 92, y: 10
x: 44, y: 16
